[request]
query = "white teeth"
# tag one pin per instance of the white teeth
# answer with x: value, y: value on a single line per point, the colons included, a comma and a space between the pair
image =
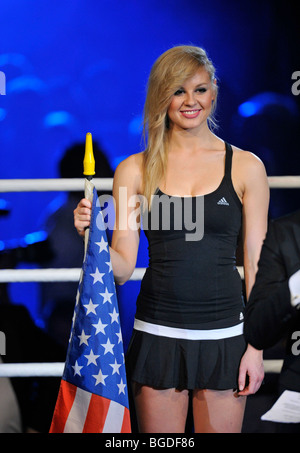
x: 190, y: 112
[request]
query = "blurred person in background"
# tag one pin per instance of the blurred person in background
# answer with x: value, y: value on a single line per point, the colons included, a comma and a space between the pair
x: 273, y: 309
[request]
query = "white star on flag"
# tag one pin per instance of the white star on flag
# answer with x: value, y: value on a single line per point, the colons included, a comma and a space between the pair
x: 100, y: 378
x: 108, y: 347
x: 109, y: 266
x: 97, y: 276
x: 115, y: 366
x: 90, y: 308
x: 77, y: 368
x: 106, y: 296
x: 83, y: 338
x: 114, y: 316
x: 121, y: 387
x: 119, y: 335
x: 92, y: 358
x: 100, y: 327
x: 102, y: 245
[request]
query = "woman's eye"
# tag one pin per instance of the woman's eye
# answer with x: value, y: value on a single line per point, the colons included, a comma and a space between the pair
x: 201, y: 90
x: 178, y: 92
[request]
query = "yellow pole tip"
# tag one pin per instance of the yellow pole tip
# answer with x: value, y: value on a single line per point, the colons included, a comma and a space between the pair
x: 88, y: 161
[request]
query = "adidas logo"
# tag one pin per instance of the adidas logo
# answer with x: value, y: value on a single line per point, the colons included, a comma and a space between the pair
x: 223, y: 202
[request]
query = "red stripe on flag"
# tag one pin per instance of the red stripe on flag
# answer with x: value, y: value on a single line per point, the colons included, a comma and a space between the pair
x: 126, y: 427
x: 96, y: 415
x: 63, y: 406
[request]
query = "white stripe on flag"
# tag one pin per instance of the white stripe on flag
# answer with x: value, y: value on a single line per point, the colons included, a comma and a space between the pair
x: 77, y: 415
x: 114, y: 419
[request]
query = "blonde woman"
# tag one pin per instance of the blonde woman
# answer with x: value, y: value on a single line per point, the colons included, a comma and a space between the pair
x: 198, y: 192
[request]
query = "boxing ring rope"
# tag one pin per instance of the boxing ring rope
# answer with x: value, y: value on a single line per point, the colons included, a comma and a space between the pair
x: 52, y: 185
x: 56, y: 369
x: 103, y: 184
x: 51, y: 275
x: 58, y: 275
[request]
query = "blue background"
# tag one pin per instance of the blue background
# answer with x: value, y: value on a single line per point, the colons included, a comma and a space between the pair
x: 82, y: 66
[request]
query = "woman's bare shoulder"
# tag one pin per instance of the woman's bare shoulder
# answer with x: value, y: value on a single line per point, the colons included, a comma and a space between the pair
x: 131, y: 163
x: 247, y: 163
x: 129, y: 171
x: 248, y: 172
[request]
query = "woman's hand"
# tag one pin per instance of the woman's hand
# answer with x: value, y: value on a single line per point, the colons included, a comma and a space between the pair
x: 82, y: 216
x: 251, y: 367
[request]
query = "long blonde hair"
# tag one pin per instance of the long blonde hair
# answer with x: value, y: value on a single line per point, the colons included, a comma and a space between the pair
x: 167, y: 75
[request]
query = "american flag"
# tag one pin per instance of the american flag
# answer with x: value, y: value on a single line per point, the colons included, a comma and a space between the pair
x: 93, y: 395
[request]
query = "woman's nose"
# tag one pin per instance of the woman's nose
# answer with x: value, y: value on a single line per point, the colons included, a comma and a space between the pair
x: 190, y: 99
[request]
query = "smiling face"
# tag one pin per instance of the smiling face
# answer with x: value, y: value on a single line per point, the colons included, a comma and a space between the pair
x: 191, y: 104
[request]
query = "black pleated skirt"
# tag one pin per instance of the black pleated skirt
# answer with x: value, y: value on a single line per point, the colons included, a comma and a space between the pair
x: 163, y: 362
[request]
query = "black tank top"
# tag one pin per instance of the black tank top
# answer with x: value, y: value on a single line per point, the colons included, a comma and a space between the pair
x: 192, y: 280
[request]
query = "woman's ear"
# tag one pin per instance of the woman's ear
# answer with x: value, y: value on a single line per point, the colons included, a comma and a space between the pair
x: 215, y: 86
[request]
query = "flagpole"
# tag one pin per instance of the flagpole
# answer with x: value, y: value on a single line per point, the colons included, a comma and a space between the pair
x: 88, y: 171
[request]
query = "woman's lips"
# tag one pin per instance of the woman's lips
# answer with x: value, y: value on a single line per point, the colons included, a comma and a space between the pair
x: 190, y: 113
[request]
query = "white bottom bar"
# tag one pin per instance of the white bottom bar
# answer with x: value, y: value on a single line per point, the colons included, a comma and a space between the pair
x: 188, y: 334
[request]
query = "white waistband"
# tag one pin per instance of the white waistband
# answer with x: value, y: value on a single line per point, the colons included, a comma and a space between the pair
x: 188, y: 334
